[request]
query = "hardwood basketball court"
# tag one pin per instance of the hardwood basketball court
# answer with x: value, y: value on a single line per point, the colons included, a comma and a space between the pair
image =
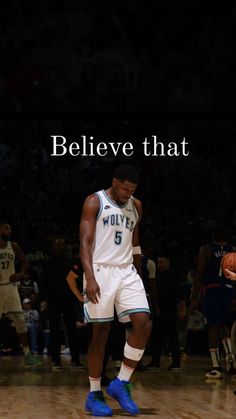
x: 43, y: 394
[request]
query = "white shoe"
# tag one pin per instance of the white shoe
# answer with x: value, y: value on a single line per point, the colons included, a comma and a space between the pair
x: 214, y: 373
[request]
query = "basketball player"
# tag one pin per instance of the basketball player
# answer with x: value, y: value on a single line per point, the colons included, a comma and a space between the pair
x: 9, y: 298
x: 109, y: 244
x: 217, y: 297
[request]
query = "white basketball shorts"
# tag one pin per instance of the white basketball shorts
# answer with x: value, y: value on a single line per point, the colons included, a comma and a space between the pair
x: 120, y: 287
x: 9, y: 299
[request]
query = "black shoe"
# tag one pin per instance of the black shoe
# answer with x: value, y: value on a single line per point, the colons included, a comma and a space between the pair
x: 77, y: 365
x: 152, y: 367
x: 56, y: 366
x: 140, y: 367
x: 174, y: 367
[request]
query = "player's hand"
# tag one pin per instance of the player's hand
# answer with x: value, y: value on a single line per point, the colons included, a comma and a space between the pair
x: 15, y: 277
x: 230, y: 274
x: 93, y: 291
x: 80, y: 297
x: 43, y: 305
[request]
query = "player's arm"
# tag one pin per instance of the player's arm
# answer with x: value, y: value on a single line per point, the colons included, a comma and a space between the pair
x: 204, y: 254
x: 87, y: 231
x: 24, y: 263
x: 72, y: 282
x: 135, y: 240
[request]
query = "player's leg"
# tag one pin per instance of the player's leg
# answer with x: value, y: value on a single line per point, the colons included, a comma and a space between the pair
x: 15, y: 312
x: 173, y: 338
x: 100, y: 315
x: 212, y: 314
x: 133, y: 351
x: 226, y: 301
x: 95, y: 403
x: 131, y: 304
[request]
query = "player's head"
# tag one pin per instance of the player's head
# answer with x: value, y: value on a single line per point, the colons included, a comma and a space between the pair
x: 59, y: 246
x: 219, y: 233
x: 125, y: 181
x: 5, y: 231
x: 163, y: 262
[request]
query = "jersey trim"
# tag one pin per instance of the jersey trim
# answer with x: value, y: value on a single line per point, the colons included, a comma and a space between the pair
x: 112, y: 202
x: 101, y: 205
x: 134, y: 310
x: 97, y: 320
x: 135, y: 210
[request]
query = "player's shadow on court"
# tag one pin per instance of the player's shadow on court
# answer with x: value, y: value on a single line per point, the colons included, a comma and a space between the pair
x: 146, y: 411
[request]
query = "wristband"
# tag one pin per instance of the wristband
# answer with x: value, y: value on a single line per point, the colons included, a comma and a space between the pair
x: 136, y: 250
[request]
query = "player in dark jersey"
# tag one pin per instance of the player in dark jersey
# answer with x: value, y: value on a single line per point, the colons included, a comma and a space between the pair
x: 217, y: 294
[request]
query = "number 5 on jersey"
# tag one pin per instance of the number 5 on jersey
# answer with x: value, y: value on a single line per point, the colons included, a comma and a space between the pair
x: 118, y: 237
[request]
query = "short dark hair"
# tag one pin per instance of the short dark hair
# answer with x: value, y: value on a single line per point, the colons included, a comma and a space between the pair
x: 164, y: 255
x: 126, y: 172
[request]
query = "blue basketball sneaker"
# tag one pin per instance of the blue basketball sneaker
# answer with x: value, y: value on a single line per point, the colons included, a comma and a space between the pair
x: 95, y: 404
x: 121, y: 391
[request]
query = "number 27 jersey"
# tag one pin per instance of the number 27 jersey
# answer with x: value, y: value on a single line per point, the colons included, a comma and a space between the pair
x: 114, y: 231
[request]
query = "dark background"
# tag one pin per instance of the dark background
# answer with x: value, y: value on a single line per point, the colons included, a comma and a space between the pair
x: 183, y: 197
x: 110, y: 55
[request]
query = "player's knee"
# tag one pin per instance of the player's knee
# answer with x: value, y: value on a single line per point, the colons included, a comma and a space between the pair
x: 148, y: 326
x: 143, y: 326
x: 100, y: 333
x: 19, y: 322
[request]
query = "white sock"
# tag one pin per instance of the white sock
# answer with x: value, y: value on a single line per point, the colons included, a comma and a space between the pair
x: 227, y: 345
x: 215, y: 357
x: 125, y: 372
x: 26, y: 350
x: 95, y: 384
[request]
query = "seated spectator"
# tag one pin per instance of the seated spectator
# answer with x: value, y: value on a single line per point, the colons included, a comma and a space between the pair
x: 28, y: 286
x: 32, y: 321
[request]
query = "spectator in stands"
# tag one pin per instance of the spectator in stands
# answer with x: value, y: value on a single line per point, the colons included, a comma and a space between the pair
x: 169, y: 305
x: 32, y: 322
x: 56, y: 293
x: 28, y: 286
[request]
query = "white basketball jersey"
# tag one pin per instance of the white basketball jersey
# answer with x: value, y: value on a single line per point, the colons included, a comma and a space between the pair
x: 7, y: 263
x: 114, y: 231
